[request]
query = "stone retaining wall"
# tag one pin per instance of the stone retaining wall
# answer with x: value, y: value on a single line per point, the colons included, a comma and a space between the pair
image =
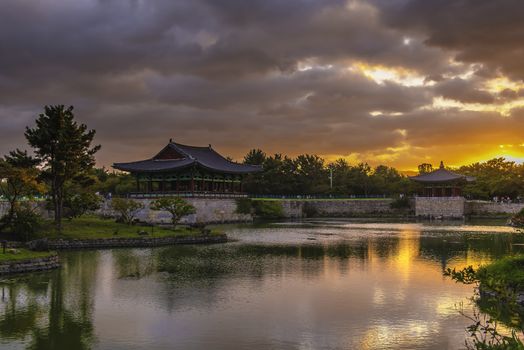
x: 445, y: 207
x: 491, y: 208
x: 339, y: 208
x: 144, y: 242
x: 208, y: 210
x: 30, y: 265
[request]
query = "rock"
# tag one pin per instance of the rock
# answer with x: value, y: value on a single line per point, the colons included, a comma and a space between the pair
x: 143, y: 233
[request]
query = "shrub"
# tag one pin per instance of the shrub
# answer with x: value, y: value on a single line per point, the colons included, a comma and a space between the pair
x: 126, y: 208
x: 400, y: 203
x: 268, y: 209
x: 25, y: 223
x: 244, y: 206
x: 178, y: 207
x: 309, y: 210
x: 518, y: 219
x: 81, y: 203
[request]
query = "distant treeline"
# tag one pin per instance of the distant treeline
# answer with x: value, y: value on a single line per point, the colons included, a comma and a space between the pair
x: 310, y: 174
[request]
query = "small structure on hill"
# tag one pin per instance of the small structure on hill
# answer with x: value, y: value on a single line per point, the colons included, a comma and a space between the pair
x: 441, y: 194
x: 442, y: 183
x: 183, y: 169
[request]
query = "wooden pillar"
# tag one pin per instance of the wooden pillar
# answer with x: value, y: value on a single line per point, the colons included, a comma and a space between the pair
x: 137, y: 183
x: 150, y: 185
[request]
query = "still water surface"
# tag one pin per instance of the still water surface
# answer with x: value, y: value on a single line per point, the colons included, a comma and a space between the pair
x: 312, y: 285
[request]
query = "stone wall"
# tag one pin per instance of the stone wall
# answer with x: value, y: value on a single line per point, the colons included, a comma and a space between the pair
x: 446, y: 207
x: 39, y: 207
x: 140, y: 242
x: 208, y: 210
x: 30, y: 265
x: 491, y: 208
x: 339, y: 208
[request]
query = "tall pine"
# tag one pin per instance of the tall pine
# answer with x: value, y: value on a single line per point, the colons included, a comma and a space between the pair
x: 64, y: 149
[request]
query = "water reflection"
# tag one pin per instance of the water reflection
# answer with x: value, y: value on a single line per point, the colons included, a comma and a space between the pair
x: 315, y: 285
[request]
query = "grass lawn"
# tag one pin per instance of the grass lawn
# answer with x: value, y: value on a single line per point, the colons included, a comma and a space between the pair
x: 317, y: 199
x: 92, y: 227
x: 506, y: 272
x: 22, y: 254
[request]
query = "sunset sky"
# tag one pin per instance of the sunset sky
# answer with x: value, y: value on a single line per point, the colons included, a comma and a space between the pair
x: 396, y: 82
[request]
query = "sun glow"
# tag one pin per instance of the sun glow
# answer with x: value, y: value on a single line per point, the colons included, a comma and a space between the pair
x: 381, y: 74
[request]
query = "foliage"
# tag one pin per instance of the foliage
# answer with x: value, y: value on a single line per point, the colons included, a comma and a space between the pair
x: 508, y: 272
x: 22, y: 254
x: 126, y: 208
x: 93, y: 227
x: 518, y: 219
x: 18, y: 179
x: 309, y: 174
x: 64, y: 150
x: 80, y: 203
x: 244, y: 205
x: 425, y: 168
x: 309, y: 210
x: 496, y: 177
x: 400, y: 203
x: 25, y: 223
x: 495, y: 278
x: 268, y: 209
x: 178, y: 207
x: 255, y: 157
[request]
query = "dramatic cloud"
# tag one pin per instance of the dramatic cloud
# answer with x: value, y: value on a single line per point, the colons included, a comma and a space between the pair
x: 385, y: 81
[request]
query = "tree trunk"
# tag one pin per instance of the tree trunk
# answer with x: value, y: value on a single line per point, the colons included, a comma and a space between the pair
x: 59, y: 202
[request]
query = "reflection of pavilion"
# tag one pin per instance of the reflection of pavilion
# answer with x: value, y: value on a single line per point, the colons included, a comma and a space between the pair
x: 441, y: 194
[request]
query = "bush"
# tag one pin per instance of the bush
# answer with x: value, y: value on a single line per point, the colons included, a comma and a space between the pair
x: 26, y: 222
x: 178, y: 207
x: 309, y: 210
x: 126, y: 208
x: 400, y: 203
x: 518, y: 219
x: 81, y: 203
x: 244, y: 206
x: 268, y: 209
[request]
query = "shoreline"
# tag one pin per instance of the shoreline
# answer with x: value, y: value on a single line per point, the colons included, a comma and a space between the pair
x: 131, y: 242
x: 13, y: 267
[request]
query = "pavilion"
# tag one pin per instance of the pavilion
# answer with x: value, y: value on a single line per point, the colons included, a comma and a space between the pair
x: 442, y: 183
x: 190, y: 170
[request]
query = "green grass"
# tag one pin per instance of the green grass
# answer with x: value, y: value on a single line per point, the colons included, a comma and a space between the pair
x: 92, y: 227
x: 22, y: 254
x: 506, y: 272
x: 317, y: 199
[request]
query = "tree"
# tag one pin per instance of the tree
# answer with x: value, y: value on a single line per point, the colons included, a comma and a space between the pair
x: 255, y: 157
x: 18, y: 178
x: 126, y: 208
x: 176, y: 206
x: 425, y: 168
x: 64, y: 149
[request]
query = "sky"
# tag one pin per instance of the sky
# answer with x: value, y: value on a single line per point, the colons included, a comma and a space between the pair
x: 394, y: 82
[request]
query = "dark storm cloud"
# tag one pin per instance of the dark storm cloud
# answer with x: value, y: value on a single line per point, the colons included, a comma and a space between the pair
x: 484, y: 31
x: 281, y: 75
x: 463, y: 90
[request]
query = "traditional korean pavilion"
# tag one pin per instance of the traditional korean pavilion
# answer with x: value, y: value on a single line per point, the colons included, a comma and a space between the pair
x: 187, y: 169
x: 442, y: 183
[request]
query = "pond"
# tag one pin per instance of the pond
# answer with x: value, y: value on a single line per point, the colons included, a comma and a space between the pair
x: 325, y: 284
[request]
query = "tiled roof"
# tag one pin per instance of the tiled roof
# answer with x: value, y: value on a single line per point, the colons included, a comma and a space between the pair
x: 205, y: 157
x: 441, y: 175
